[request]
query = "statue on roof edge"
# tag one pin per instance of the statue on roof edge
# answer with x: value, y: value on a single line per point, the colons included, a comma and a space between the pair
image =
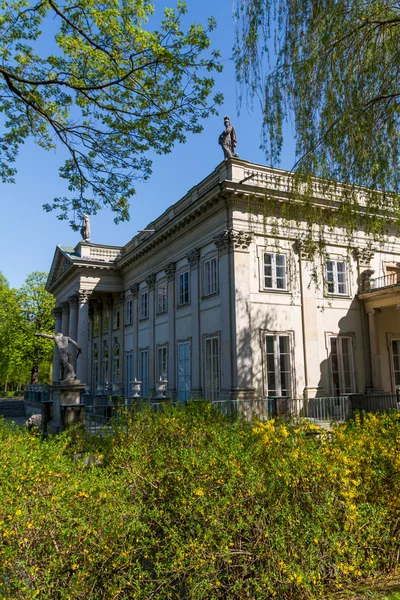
x: 85, y: 229
x: 227, y: 140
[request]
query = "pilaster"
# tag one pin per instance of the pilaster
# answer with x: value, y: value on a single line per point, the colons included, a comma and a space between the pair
x: 170, y: 271
x: 57, y: 313
x: 193, y: 258
x: 374, y: 347
x: 73, y: 326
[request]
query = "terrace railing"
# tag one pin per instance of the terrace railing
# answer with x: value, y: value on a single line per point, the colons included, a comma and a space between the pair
x: 388, y: 280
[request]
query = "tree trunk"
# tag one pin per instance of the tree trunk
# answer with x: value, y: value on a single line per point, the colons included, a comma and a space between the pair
x: 35, y: 374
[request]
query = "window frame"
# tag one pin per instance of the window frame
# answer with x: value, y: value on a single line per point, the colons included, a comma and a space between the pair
x: 274, y: 271
x: 277, y: 363
x: 116, y: 317
x: 163, y: 376
x: 207, y: 291
x: 341, y: 371
x: 129, y: 311
x: 214, y: 391
x: 144, y: 380
x: 180, y: 293
x: 142, y: 316
x: 335, y: 281
x: 164, y: 309
x: 394, y: 338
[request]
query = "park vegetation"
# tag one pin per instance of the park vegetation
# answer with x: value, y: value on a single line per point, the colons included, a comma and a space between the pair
x: 186, y: 503
x: 23, y: 312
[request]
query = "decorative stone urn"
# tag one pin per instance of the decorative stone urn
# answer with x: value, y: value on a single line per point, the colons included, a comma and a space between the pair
x: 116, y: 388
x: 100, y: 389
x: 135, y: 387
x: 160, y: 388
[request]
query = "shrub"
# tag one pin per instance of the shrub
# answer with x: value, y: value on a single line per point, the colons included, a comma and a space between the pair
x: 186, y: 503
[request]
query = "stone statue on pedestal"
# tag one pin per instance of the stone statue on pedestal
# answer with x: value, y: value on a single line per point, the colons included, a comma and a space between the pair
x: 85, y: 229
x: 62, y: 341
x: 227, y: 139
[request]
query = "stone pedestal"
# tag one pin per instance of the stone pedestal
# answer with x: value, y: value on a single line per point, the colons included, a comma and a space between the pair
x: 66, y: 406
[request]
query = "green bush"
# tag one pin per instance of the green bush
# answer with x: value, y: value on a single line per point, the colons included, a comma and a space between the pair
x: 186, y: 503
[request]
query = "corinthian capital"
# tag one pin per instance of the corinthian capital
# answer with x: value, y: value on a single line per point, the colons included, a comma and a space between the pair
x: 84, y: 296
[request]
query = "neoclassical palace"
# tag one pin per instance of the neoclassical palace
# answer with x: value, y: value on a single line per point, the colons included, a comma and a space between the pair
x: 223, y: 302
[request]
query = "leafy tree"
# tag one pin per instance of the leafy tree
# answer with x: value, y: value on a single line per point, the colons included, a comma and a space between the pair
x: 9, y: 333
x: 36, y: 306
x: 24, y: 312
x: 112, y: 88
x: 332, y: 68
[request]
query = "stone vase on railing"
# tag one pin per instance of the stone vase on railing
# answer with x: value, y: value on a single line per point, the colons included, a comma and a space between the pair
x: 160, y: 389
x: 116, y: 389
x: 135, y: 387
x: 100, y: 389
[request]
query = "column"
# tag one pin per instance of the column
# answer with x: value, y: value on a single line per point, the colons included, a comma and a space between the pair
x: 309, y: 314
x: 83, y: 335
x: 135, y: 321
x: 122, y: 342
x: 150, y: 281
x: 170, y: 271
x: 73, y: 326
x: 57, y: 313
x: 65, y: 318
x: 193, y: 259
x: 374, y: 348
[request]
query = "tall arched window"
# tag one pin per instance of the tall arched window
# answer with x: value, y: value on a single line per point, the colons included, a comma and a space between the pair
x: 116, y: 371
x: 105, y: 366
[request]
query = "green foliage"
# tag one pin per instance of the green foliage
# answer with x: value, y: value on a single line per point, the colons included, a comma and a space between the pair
x: 330, y: 68
x: 114, y: 87
x: 184, y: 503
x: 23, y: 357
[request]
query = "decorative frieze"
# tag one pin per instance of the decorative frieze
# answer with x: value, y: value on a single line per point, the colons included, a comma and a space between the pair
x: 150, y: 281
x: 170, y: 270
x: 193, y: 257
x: 134, y: 289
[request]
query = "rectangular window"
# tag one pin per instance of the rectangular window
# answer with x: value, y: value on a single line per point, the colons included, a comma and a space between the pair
x: 396, y: 362
x: 278, y: 365
x: 144, y: 372
x: 210, y: 277
x: 162, y: 297
x: 96, y: 324
x: 275, y: 271
x: 116, y: 314
x: 128, y: 312
x: 162, y: 366
x: 184, y: 371
x: 183, y: 288
x: 336, y: 277
x: 211, y: 368
x: 106, y: 318
x: 144, y: 305
x: 342, y: 365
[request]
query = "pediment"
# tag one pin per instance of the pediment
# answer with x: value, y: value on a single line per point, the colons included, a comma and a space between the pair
x: 60, y: 264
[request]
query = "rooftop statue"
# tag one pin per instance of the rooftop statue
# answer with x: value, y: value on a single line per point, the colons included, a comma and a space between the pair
x: 85, y: 229
x: 62, y: 341
x: 227, y: 139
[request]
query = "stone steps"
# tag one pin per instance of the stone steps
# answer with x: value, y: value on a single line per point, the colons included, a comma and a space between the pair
x: 12, y: 408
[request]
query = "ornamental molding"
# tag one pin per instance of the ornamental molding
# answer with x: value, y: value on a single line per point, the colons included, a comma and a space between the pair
x: 230, y: 239
x: 364, y: 256
x: 57, y: 312
x: 84, y: 296
x: 151, y: 280
x: 170, y: 270
x: 134, y: 289
x: 73, y: 301
x: 193, y: 257
x: 65, y: 308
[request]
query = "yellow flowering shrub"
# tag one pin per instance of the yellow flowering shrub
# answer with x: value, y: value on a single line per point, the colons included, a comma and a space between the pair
x: 186, y: 503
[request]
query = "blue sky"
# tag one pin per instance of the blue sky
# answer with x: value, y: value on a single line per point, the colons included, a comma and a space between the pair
x: 29, y: 235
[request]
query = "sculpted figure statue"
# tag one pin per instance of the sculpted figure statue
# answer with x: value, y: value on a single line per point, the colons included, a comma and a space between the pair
x: 85, y: 229
x: 62, y: 341
x: 227, y: 139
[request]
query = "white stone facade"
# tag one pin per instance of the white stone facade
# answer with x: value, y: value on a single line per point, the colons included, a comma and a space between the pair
x: 223, y: 302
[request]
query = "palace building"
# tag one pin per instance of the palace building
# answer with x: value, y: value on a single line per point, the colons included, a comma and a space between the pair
x: 224, y: 303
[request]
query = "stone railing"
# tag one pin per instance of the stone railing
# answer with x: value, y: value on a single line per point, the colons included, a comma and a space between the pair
x: 370, y: 285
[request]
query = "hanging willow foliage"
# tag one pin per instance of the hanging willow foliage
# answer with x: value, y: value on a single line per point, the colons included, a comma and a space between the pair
x: 332, y: 68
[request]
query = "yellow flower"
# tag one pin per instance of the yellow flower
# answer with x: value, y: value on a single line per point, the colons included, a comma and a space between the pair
x: 199, y: 492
